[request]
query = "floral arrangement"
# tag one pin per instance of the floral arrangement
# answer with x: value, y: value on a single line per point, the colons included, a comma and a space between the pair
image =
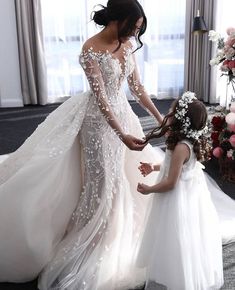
x: 223, y: 125
x: 225, y: 53
x: 223, y: 141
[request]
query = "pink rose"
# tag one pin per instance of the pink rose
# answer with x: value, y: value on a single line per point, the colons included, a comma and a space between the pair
x: 229, y: 52
x: 231, y: 127
x: 230, y: 30
x: 230, y: 118
x: 232, y: 107
x: 217, y: 152
x: 230, y: 42
x: 232, y: 140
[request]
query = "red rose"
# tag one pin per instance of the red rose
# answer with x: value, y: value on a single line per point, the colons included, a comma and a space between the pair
x: 215, y: 136
x: 218, y: 122
x: 231, y: 64
x: 215, y: 143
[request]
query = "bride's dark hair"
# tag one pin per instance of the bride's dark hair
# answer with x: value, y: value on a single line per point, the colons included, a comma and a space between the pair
x: 171, y: 127
x: 127, y: 13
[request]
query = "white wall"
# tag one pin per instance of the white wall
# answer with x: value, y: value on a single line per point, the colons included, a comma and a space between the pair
x: 10, y: 87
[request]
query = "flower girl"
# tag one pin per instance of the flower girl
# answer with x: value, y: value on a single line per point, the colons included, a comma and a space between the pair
x: 181, y: 246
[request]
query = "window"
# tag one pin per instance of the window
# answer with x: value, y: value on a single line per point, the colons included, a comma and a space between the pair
x: 163, y: 56
x: 66, y: 26
x: 224, y: 19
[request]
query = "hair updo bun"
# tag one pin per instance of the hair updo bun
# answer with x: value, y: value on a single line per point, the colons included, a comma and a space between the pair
x: 100, y: 17
x: 125, y: 13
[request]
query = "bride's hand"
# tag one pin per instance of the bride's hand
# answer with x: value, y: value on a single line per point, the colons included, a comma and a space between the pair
x: 133, y: 143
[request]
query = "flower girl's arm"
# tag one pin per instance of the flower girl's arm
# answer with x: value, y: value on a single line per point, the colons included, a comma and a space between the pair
x: 179, y: 156
x: 147, y: 168
x: 141, y: 96
x: 156, y: 167
x: 89, y: 62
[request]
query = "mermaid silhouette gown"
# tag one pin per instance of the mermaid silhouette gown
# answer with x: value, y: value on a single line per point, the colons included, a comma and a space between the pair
x: 69, y: 208
x: 74, y: 180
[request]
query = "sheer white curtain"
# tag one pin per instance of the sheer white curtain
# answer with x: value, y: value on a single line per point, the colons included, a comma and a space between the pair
x: 162, y: 58
x: 224, y: 19
x: 66, y: 25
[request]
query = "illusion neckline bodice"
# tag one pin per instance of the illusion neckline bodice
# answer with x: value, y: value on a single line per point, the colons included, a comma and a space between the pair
x: 100, y: 54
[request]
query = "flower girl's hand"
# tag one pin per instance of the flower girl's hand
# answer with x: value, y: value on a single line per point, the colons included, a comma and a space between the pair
x: 133, y: 143
x: 143, y: 188
x: 146, y: 168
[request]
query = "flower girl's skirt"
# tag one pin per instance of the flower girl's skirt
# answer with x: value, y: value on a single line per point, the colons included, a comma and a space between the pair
x: 182, y: 247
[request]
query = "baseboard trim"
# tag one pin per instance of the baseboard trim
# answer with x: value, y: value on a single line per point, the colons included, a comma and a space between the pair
x: 11, y: 103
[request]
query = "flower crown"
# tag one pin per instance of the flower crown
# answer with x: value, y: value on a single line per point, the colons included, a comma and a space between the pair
x: 182, y: 110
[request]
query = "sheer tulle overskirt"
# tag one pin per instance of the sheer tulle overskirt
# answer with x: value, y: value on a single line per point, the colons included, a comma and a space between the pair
x: 40, y: 185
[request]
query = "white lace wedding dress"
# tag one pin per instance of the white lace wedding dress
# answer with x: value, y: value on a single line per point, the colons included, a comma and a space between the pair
x: 68, y: 201
x: 74, y: 164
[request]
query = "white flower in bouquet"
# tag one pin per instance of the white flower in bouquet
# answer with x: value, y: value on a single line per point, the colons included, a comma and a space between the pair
x: 215, y: 61
x: 214, y: 36
x: 225, y: 53
x: 230, y: 154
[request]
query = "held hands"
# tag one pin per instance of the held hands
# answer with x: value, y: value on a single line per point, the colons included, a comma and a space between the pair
x: 133, y: 143
x: 144, y: 188
x: 146, y: 168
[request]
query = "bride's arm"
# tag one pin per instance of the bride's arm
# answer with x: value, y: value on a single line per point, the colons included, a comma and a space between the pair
x: 141, y: 96
x: 89, y: 62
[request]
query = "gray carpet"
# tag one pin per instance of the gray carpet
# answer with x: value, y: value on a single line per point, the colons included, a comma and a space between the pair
x: 17, y: 124
x: 229, y: 266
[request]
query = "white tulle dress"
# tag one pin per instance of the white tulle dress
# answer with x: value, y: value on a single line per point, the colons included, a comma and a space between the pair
x: 69, y: 209
x: 182, y: 246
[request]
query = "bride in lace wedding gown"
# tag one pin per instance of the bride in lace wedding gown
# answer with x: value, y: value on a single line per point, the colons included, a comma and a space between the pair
x: 69, y: 207
x: 68, y: 199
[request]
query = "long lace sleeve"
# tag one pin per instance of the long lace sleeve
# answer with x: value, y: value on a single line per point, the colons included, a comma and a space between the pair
x: 89, y: 62
x: 140, y: 94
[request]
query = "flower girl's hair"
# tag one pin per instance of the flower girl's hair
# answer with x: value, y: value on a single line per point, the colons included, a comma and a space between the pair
x: 187, y: 119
